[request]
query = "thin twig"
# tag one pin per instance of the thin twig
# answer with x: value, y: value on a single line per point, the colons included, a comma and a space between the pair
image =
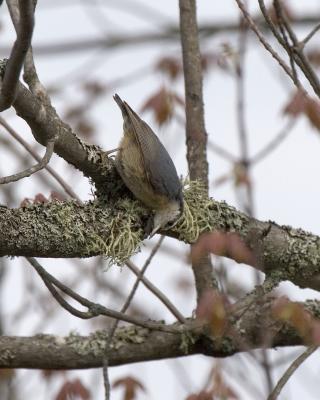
x: 161, y: 296
x: 285, y: 38
x: 17, y: 56
x: 248, y: 205
x: 309, y: 36
x: 37, y: 167
x: 220, y: 151
x: 30, y: 150
x: 253, y: 26
x: 94, y: 309
x: 296, y: 49
x: 275, y: 142
x: 142, y: 271
x: 123, y: 310
x: 290, y: 371
x: 293, y: 51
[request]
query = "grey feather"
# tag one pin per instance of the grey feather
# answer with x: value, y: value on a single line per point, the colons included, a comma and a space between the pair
x: 159, y: 167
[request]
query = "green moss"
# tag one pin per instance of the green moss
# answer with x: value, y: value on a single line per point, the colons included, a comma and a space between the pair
x: 96, y: 343
x: 195, y: 218
x: 188, y: 339
x: 127, y: 335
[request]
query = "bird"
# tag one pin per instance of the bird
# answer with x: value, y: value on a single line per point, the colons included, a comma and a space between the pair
x: 147, y: 169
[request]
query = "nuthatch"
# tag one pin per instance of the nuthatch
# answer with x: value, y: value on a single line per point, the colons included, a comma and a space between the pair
x: 147, y: 169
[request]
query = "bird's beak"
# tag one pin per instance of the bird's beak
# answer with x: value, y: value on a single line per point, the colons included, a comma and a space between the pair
x: 154, y: 231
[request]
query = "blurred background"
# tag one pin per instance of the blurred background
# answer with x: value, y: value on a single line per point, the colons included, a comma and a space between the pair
x: 85, y: 51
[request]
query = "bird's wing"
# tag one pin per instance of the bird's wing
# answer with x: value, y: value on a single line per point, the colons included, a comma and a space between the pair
x: 158, y: 165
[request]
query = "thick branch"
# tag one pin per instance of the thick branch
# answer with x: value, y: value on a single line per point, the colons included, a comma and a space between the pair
x: 195, y: 129
x: 71, y: 230
x: 196, y: 135
x: 132, y: 344
x: 45, y: 123
x: 18, y: 53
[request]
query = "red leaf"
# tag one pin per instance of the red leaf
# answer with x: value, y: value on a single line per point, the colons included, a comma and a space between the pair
x: 240, y: 174
x: 130, y: 386
x: 49, y: 373
x: 221, y: 389
x: 213, y: 308
x: 95, y: 88
x: 25, y: 202
x: 312, y: 111
x: 162, y: 104
x: 6, y: 374
x: 40, y: 198
x: 296, y: 105
x: 301, y: 319
x: 223, y: 244
x: 170, y: 66
x: 73, y: 388
x: 314, y: 57
x: 57, y: 196
x: 201, y: 396
x: 84, y: 127
x: 302, y: 104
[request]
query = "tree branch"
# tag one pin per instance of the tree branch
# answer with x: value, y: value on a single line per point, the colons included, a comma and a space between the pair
x: 170, y: 33
x: 290, y: 371
x: 134, y: 344
x: 94, y: 309
x: 32, y: 170
x: 45, y: 123
x: 18, y: 53
x: 64, y: 230
x: 253, y: 26
x: 35, y: 155
x: 153, y: 289
x: 196, y: 135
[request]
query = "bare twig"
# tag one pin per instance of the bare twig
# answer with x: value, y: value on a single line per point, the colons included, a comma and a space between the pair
x: 296, y: 50
x: 309, y: 36
x: 290, y: 371
x: 29, y: 171
x: 220, y: 151
x: 30, y: 150
x: 285, y: 40
x: 161, y: 296
x: 253, y: 26
x: 17, y: 56
x: 142, y: 271
x: 94, y: 309
x: 123, y: 310
x: 275, y: 142
x: 248, y: 204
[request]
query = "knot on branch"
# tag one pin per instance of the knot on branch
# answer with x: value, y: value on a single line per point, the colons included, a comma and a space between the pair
x: 3, y: 65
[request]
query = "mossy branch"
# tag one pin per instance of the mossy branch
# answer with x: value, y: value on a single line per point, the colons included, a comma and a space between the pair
x: 67, y: 229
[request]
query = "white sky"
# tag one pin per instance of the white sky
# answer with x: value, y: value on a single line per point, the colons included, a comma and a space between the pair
x: 286, y: 188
